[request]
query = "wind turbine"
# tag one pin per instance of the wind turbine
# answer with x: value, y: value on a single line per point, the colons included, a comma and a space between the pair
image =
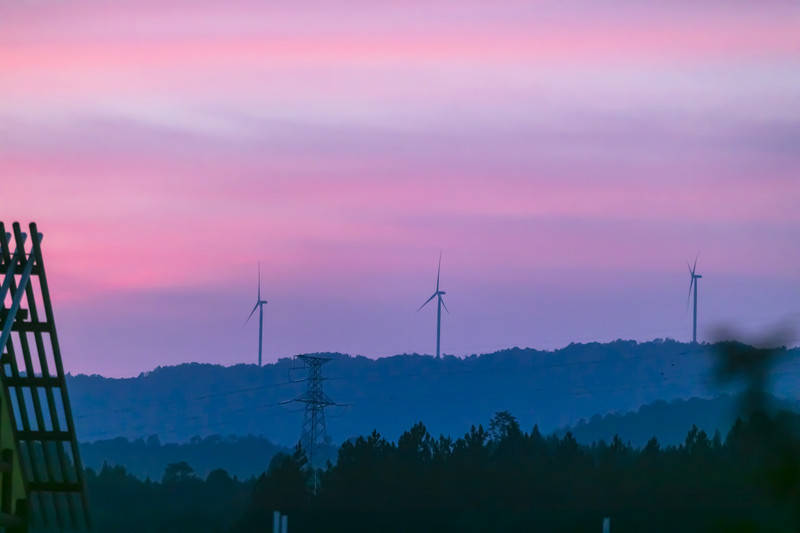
x: 693, y: 285
x: 440, y: 303
x: 260, y: 306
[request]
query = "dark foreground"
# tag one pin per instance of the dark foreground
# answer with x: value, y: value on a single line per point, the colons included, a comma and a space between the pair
x: 498, y: 479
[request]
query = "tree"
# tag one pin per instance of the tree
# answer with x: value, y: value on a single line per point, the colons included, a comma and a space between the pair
x: 177, y: 472
x: 503, y: 426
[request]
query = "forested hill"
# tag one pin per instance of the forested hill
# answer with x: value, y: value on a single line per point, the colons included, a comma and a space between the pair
x: 667, y: 421
x: 553, y: 389
x: 249, y: 456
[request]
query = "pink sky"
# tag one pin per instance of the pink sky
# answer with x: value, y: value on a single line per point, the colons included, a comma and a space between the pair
x: 567, y: 158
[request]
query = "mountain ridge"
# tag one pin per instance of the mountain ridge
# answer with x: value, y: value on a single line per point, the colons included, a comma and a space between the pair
x: 553, y: 389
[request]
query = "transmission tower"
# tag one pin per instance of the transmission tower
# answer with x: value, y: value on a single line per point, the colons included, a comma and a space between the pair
x: 314, y: 431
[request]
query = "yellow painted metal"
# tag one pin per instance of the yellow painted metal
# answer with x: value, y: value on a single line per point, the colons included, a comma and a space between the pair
x: 8, y: 441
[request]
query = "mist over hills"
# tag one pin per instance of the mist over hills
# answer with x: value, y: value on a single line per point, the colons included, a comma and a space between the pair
x: 246, y: 456
x: 553, y: 389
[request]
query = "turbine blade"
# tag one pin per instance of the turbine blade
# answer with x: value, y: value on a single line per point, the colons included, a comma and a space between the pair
x: 426, y: 301
x: 438, y: 270
x: 694, y: 268
x: 444, y: 305
x: 251, y: 313
x: 259, y: 281
x: 689, y: 297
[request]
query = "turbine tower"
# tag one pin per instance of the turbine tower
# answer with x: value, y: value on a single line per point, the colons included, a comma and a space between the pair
x: 693, y: 285
x: 260, y: 306
x: 440, y: 303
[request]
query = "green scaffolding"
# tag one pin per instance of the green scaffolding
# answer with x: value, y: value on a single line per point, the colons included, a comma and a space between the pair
x: 42, y: 485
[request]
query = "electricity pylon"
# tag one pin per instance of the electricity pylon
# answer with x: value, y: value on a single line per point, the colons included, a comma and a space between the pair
x: 314, y: 432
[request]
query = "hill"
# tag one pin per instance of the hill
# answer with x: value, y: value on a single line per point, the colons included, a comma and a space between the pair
x: 667, y: 421
x: 553, y: 389
x: 249, y: 456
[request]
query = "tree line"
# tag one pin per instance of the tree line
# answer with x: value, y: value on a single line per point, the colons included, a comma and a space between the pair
x: 497, y: 478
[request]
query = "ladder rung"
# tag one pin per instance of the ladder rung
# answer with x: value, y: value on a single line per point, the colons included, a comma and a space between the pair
x: 22, y: 314
x: 18, y: 269
x: 32, y: 381
x: 54, y: 486
x: 44, y: 435
x: 30, y: 326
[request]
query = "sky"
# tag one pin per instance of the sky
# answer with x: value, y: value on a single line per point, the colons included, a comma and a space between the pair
x: 567, y: 158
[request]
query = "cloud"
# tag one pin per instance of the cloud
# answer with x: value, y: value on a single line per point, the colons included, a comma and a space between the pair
x: 344, y: 150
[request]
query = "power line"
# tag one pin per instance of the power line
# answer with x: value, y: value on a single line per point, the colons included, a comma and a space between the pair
x: 196, y: 398
x: 198, y: 418
x: 674, y: 379
x: 564, y: 392
x: 491, y: 370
